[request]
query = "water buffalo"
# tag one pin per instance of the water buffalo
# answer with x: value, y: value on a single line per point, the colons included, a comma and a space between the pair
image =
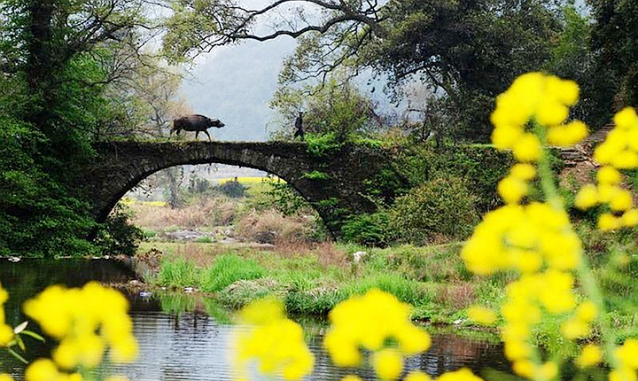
x: 195, y: 123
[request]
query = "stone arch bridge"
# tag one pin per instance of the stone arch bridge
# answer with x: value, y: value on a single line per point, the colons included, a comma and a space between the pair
x: 338, y: 185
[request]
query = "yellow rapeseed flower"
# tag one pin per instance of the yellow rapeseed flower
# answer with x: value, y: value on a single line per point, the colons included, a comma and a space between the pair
x: 528, y: 148
x: 85, y: 329
x: 512, y: 190
x: 590, y: 355
x: 627, y: 354
x: 463, y: 374
x: 630, y: 218
x: 351, y: 377
x: 6, y: 377
x: 41, y: 370
x: 523, y: 171
x: 545, y: 99
x: 481, y: 315
x: 609, y: 175
x: 567, y: 135
x: 620, y: 148
x: 524, y: 368
x: 274, y: 342
x: 608, y: 221
x: 387, y: 363
x: 587, y: 311
x: 587, y: 197
x: 368, y: 321
x: 417, y: 375
x: 575, y: 329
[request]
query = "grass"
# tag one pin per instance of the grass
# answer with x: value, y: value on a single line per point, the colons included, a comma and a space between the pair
x: 313, y: 280
x: 227, y: 269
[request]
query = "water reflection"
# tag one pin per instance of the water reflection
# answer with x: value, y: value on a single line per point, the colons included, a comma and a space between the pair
x: 179, y: 345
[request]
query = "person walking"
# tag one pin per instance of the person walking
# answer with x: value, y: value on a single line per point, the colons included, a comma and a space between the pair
x: 299, y: 127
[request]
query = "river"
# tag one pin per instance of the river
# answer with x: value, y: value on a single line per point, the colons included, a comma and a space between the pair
x: 181, y: 339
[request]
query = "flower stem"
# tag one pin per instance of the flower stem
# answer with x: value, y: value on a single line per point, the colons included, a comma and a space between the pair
x: 584, y: 273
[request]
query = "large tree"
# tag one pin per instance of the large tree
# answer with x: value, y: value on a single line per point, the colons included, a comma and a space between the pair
x: 615, y: 41
x: 467, y: 50
x: 57, y: 60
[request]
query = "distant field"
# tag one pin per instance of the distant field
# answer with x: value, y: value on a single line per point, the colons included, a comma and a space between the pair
x: 128, y: 201
x: 249, y: 180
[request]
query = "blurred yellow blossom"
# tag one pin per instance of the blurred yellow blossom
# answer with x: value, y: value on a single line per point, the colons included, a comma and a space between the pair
x: 387, y: 363
x: 351, y: 377
x: 481, y: 315
x: 590, y: 355
x: 368, y: 321
x: 6, y: 377
x: 522, y: 237
x: 463, y: 374
x: 567, y: 135
x: 6, y: 332
x: 417, y: 375
x: 543, y: 98
x: 274, y: 342
x: 620, y: 148
x: 85, y: 329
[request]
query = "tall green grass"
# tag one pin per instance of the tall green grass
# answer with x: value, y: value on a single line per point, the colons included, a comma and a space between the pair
x: 178, y: 273
x: 227, y: 269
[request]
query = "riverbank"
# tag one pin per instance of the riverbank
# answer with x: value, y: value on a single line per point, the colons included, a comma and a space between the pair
x: 311, y: 279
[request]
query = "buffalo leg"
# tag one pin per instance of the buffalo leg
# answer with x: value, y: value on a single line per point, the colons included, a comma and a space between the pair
x: 196, y: 135
x: 207, y: 134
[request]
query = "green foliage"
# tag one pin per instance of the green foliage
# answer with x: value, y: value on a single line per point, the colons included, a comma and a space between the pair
x: 441, y: 207
x: 332, y: 108
x: 386, y: 186
x: 482, y: 166
x: 367, y: 229
x: 118, y: 236
x: 573, y: 58
x: 53, y: 100
x: 286, y: 199
x: 323, y: 145
x: 38, y: 216
x: 614, y: 36
x: 228, y: 269
x: 316, y: 175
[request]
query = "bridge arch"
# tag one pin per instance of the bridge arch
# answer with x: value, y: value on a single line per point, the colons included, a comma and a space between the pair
x: 335, y: 185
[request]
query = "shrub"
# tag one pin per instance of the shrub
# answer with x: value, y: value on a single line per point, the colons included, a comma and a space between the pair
x: 233, y: 189
x: 323, y: 145
x: 480, y: 165
x: 439, y: 207
x: 367, y: 229
x: 118, y: 236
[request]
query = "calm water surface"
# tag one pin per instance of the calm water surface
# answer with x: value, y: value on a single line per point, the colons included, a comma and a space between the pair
x: 194, y: 345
